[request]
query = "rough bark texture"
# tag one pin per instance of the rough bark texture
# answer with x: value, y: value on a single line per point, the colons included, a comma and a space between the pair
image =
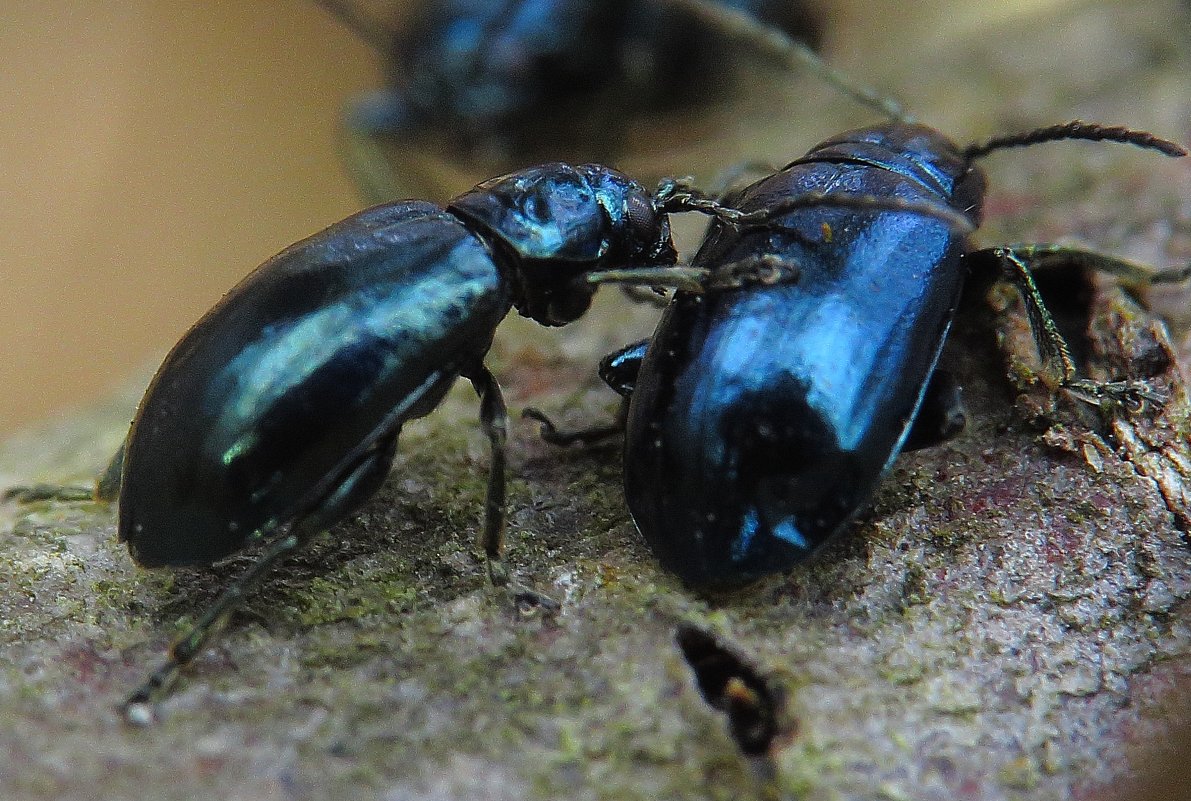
x: 1009, y: 615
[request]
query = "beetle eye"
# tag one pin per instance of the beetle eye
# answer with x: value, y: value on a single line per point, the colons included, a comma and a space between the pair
x: 536, y: 208
x: 640, y: 213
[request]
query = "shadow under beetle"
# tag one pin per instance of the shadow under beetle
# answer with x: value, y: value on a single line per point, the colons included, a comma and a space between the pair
x: 762, y: 416
x: 278, y: 413
x: 518, y: 80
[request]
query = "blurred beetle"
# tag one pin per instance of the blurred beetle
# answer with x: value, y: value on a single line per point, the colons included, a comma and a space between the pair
x: 519, y: 81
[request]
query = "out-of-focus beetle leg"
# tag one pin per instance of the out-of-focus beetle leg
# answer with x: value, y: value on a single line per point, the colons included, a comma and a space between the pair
x: 374, y: 116
x: 587, y: 436
x: 359, y: 485
x: 941, y: 415
x: 728, y: 181
x: 34, y: 493
x: 771, y: 41
x: 369, y: 168
x: 105, y: 489
x: 373, y: 123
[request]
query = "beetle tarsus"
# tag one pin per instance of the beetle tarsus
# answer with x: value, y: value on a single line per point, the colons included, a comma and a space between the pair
x: 190, y: 644
x: 766, y: 269
x: 550, y: 433
x: 1132, y: 396
x: 649, y: 296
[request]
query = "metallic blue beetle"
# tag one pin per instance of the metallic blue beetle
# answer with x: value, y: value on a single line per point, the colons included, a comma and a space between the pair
x: 763, y: 414
x: 278, y: 413
x: 285, y: 400
x: 763, y: 417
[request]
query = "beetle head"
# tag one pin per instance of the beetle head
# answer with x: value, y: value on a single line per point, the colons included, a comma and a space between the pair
x: 555, y: 224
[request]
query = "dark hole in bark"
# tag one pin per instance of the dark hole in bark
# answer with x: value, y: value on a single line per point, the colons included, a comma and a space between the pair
x: 730, y: 684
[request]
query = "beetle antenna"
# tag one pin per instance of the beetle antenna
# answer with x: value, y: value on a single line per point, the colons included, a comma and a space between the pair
x: 1076, y: 129
x: 369, y: 29
x: 772, y: 41
x: 679, y: 196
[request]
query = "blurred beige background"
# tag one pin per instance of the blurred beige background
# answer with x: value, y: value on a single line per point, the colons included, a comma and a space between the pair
x: 151, y: 153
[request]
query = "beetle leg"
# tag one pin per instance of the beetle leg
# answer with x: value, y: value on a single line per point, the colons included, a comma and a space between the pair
x: 753, y: 703
x: 373, y: 116
x: 105, y: 489
x: 370, y: 167
x: 681, y: 194
x: 494, y: 419
x: 1016, y: 263
x: 135, y: 708
x: 372, y: 123
x: 372, y: 31
x: 1050, y: 343
x: 773, y: 42
x: 941, y: 415
x: 1044, y: 256
x: 360, y: 484
x: 765, y: 270
x: 619, y: 371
